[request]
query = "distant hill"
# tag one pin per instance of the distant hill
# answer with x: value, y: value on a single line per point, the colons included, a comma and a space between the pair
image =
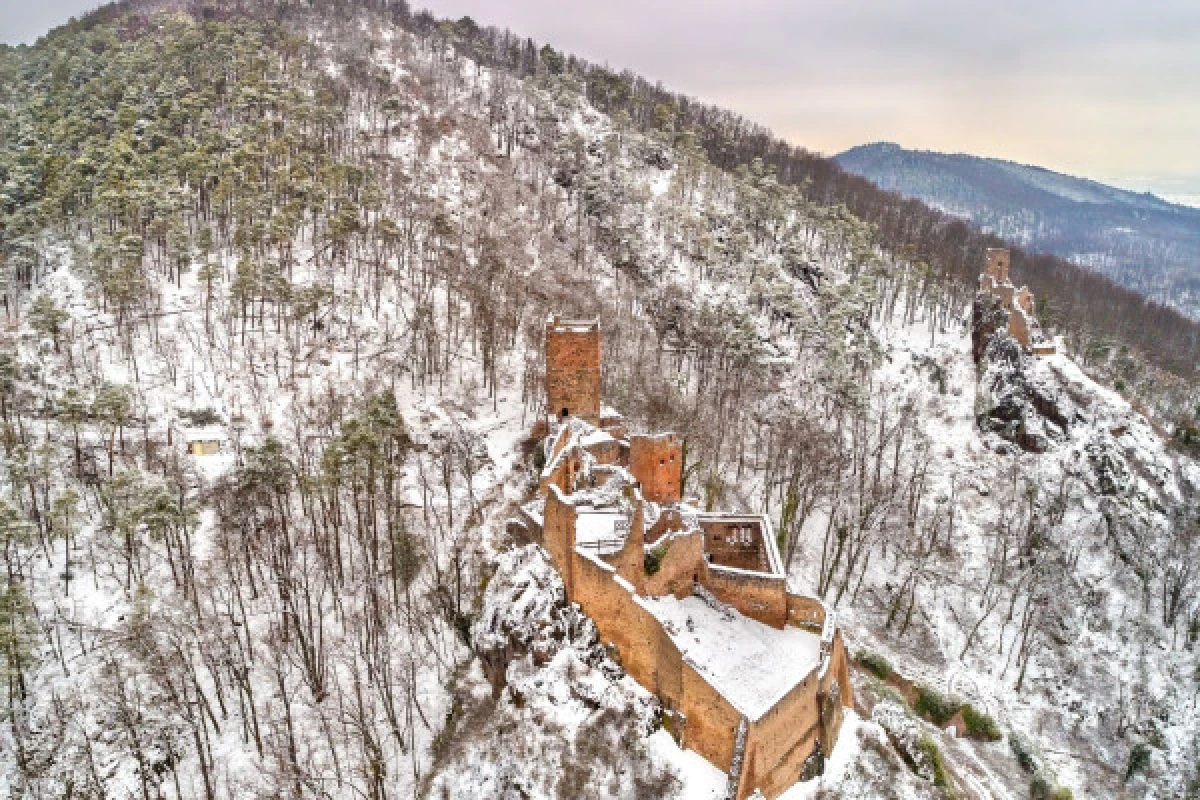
x: 1138, y: 239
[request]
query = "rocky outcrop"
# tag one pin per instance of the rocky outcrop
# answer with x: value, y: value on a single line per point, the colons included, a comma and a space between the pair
x: 987, y: 317
x: 525, y: 613
x: 1014, y: 401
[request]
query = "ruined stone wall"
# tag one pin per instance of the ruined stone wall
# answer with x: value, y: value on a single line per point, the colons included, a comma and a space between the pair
x: 997, y: 264
x: 620, y: 620
x: 682, y: 565
x: 558, y: 534
x: 805, y: 612
x: 736, y: 543
x: 608, y: 452
x: 711, y: 720
x: 562, y: 472
x: 669, y: 520
x: 657, y: 464
x: 630, y: 561
x: 763, y: 598
x: 839, y: 671
x: 1018, y: 327
x: 573, y: 370
x: 779, y: 742
x: 1025, y: 300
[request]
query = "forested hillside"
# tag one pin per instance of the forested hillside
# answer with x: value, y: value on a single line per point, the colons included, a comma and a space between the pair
x: 324, y: 237
x: 1140, y: 241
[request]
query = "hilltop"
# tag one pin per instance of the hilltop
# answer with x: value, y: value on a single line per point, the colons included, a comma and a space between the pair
x: 277, y: 279
x: 1139, y: 240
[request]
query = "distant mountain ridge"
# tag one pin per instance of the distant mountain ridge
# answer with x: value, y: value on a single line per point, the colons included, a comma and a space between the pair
x: 1137, y: 238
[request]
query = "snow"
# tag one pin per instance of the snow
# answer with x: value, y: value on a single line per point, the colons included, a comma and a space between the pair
x: 600, y: 531
x: 700, y: 780
x: 840, y: 765
x: 751, y: 664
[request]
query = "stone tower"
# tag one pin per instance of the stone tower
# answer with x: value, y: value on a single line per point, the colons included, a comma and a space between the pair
x: 573, y: 369
x: 997, y: 264
x: 657, y: 464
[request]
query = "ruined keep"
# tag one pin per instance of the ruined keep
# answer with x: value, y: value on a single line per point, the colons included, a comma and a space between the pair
x: 656, y: 462
x: 573, y: 369
x: 1016, y: 303
x: 695, y: 605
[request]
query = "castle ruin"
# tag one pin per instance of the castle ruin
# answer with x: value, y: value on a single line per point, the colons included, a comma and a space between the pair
x: 1017, y: 303
x: 694, y: 604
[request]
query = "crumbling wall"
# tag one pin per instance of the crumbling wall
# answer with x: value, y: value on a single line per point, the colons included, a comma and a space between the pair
x: 1018, y: 327
x: 835, y: 685
x: 736, y: 543
x: 657, y: 464
x: 573, y: 370
x: 621, y: 621
x: 558, y: 534
x: 805, y: 612
x: 779, y: 742
x: 712, y: 720
x: 759, y: 597
x: 682, y: 565
x: 606, y: 451
x: 630, y: 561
x: 997, y: 264
x: 562, y: 472
x: 669, y: 520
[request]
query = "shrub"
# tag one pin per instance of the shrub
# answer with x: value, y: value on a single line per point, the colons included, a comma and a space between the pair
x: 934, y: 705
x: 653, y: 560
x: 539, y: 456
x: 1139, y: 759
x: 980, y: 725
x: 874, y: 663
x: 1040, y: 787
x: 1062, y: 793
x: 929, y: 748
x: 1023, y: 749
x: 200, y: 417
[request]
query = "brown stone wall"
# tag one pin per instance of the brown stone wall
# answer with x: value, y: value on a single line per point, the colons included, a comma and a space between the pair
x: 761, y: 598
x: 669, y: 672
x: 805, y: 612
x: 1025, y: 300
x: 1018, y: 327
x: 618, y: 617
x: 669, y: 520
x: 781, y: 740
x: 682, y: 565
x: 736, y: 543
x: 562, y: 472
x: 657, y: 464
x: 997, y: 264
x: 711, y: 720
x: 558, y: 534
x: 630, y: 561
x: 607, y: 452
x: 573, y: 370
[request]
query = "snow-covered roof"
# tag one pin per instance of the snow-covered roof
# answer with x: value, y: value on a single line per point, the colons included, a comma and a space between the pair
x: 751, y: 664
x: 594, y: 437
x: 206, y: 433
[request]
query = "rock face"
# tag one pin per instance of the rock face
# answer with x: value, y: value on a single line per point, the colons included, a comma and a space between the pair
x: 525, y: 612
x: 1013, y: 400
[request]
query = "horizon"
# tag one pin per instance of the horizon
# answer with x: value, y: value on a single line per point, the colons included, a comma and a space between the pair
x: 828, y: 77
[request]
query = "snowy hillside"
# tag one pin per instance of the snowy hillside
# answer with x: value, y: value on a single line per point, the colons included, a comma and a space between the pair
x: 276, y: 288
x: 1137, y: 239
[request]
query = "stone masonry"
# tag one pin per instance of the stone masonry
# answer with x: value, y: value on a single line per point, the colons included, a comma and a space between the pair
x: 573, y: 369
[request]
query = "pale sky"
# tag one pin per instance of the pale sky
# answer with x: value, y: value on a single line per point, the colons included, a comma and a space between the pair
x: 1099, y: 88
